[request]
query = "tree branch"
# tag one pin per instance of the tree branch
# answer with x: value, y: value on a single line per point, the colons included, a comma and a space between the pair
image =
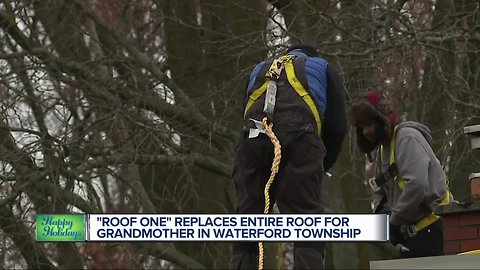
x: 16, y: 230
x: 202, y: 161
x: 172, y: 255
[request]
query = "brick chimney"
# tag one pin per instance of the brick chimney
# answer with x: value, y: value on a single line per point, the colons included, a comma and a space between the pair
x: 462, y: 227
x: 462, y: 221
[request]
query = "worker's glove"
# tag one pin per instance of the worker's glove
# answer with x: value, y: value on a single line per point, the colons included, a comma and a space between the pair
x: 396, y: 236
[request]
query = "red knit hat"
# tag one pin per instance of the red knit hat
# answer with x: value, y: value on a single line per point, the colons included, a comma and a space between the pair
x: 370, y: 106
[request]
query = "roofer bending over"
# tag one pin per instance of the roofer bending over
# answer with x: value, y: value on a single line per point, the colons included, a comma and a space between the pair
x: 306, y: 105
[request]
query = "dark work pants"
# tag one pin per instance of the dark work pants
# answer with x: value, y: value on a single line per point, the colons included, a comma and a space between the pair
x: 427, y: 242
x: 296, y: 189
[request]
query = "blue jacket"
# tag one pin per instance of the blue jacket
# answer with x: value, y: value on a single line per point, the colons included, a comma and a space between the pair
x: 316, y: 73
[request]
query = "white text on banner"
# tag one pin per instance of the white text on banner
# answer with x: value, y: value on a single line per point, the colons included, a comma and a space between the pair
x: 282, y: 228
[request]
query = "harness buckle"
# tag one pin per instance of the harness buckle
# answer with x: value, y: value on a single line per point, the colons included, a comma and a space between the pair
x: 373, y: 184
x: 411, y: 231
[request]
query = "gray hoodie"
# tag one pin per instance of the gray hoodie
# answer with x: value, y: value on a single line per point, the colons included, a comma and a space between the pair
x: 425, y: 180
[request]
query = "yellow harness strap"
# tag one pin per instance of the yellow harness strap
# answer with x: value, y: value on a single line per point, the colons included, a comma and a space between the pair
x: 425, y: 222
x: 255, y: 95
x: 301, y: 91
x: 430, y: 218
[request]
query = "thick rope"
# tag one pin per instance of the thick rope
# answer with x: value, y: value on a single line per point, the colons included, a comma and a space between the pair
x: 277, y: 151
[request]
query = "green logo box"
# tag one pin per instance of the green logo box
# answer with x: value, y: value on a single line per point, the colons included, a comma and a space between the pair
x: 60, y: 228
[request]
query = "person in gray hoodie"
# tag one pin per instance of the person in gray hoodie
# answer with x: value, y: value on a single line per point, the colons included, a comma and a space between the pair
x: 408, y: 176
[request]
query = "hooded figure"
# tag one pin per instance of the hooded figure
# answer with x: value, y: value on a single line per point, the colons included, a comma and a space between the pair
x: 411, y: 180
x: 372, y: 107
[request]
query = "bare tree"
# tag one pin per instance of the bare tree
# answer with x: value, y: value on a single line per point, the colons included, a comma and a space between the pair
x: 135, y: 106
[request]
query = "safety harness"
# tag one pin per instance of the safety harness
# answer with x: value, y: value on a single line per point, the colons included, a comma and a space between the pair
x: 391, y: 174
x: 288, y: 63
x: 272, y: 76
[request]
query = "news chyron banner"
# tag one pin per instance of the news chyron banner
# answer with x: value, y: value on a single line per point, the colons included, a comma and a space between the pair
x: 170, y: 228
